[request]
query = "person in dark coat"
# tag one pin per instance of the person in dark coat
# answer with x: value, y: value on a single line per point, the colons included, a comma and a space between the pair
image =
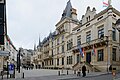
x: 110, y: 68
x: 84, y: 71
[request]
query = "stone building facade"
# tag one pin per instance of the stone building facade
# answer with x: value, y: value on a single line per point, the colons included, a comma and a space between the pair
x: 95, y: 31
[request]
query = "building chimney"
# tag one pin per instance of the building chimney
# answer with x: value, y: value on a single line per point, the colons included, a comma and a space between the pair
x: 74, y: 14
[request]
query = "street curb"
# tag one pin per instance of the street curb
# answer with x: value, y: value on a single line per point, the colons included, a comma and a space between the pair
x: 83, y: 77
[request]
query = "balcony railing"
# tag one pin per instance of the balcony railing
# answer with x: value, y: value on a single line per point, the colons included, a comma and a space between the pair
x: 89, y: 44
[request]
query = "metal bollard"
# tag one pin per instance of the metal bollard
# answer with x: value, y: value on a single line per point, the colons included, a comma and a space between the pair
x: 7, y: 74
x: 78, y: 73
x: 67, y: 72
x: 2, y: 74
x: 74, y: 71
x: 58, y: 73
x: 23, y: 75
x: 88, y: 71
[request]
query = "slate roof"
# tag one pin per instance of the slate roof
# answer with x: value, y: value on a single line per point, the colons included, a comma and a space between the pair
x: 67, y: 11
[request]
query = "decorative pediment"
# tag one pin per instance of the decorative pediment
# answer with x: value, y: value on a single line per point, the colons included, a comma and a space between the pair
x: 89, y: 15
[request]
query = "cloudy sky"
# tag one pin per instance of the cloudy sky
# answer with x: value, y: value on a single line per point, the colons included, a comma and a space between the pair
x: 29, y: 19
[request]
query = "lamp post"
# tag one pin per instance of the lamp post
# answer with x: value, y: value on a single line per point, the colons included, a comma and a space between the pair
x: 118, y: 28
x: 7, y: 69
x: 18, y: 61
x: 108, y: 61
x: 118, y: 25
x: 108, y: 56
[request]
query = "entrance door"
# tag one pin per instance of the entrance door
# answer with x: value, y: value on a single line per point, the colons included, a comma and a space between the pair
x: 88, y: 57
x: 42, y: 64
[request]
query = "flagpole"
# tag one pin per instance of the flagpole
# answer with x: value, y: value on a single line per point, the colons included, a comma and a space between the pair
x: 93, y: 53
x: 109, y: 2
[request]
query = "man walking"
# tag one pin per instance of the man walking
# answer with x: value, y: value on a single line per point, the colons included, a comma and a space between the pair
x: 84, y: 70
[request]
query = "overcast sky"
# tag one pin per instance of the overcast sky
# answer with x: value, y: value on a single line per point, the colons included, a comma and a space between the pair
x: 27, y: 19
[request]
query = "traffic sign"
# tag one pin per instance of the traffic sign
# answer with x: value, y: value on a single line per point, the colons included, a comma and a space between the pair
x: 11, y: 69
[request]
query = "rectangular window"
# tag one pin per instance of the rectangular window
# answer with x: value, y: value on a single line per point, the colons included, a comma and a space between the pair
x: 52, y: 52
x: 70, y: 59
x: 69, y: 44
x: 114, y: 54
x: 67, y: 60
x: 100, y: 55
x: 114, y: 34
x: 47, y: 62
x: 62, y: 48
x: 62, y: 61
x: 78, y: 58
x: 57, y: 61
x: 62, y: 38
x: 87, y: 19
x: 58, y: 41
x: 79, y: 40
x: 58, y: 50
x: 52, y: 61
x: 101, y: 33
x: 88, y: 36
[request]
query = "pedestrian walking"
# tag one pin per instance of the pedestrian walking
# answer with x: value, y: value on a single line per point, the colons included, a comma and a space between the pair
x: 84, y: 70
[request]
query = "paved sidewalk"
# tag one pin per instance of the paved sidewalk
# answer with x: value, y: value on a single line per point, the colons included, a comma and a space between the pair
x: 51, y: 75
x: 117, y: 79
x: 61, y: 77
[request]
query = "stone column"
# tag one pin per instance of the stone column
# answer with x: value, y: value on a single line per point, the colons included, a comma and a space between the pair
x: 109, y: 22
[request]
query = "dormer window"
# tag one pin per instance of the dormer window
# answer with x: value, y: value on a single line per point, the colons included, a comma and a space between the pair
x: 62, y: 38
x: 58, y: 41
x: 89, y: 18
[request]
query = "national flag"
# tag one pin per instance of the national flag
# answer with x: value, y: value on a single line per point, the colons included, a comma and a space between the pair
x: 81, y: 52
x: 84, y: 51
x: 93, y: 51
x: 105, y: 3
x: 109, y: 2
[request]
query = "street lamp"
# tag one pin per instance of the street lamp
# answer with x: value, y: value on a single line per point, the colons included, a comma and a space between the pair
x: 118, y: 25
x: 118, y: 28
x: 18, y: 61
x: 106, y: 40
x: 108, y: 61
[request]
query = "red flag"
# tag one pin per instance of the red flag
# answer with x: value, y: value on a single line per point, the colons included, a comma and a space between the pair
x: 94, y: 50
x: 105, y: 3
x: 84, y: 52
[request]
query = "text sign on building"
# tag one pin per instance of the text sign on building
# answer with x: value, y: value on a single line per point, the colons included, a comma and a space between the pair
x: 11, y: 69
x: 1, y: 1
